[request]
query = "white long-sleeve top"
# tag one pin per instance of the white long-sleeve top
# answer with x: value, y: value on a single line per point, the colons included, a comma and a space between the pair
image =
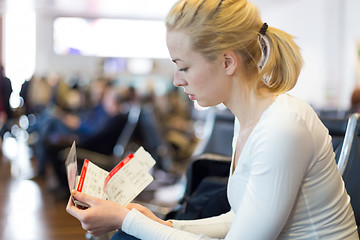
x: 286, y: 185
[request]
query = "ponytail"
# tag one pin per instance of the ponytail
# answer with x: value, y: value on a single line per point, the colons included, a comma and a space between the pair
x: 282, y: 68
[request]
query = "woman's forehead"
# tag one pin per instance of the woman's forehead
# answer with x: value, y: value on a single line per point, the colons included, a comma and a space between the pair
x: 179, y: 45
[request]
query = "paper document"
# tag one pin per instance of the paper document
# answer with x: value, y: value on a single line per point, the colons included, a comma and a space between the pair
x: 122, y: 184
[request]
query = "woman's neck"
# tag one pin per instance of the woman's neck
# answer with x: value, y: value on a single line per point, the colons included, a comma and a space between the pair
x: 249, y: 106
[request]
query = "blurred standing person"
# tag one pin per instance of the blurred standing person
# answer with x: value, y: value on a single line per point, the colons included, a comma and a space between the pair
x: 5, y: 109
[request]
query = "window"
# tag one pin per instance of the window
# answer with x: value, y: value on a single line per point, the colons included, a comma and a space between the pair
x: 110, y: 37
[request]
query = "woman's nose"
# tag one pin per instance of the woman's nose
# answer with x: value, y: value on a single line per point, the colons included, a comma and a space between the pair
x: 178, y: 80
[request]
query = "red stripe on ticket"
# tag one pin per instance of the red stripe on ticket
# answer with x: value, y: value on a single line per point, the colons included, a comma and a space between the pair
x: 82, y: 176
x: 116, y: 169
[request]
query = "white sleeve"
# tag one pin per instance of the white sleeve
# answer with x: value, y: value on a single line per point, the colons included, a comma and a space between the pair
x: 278, y: 160
x: 216, y: 227
x: 142, y: 227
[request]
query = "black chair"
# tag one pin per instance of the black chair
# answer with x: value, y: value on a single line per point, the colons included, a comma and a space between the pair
x: 119, y: 146
x: 120, y: 150
x: 220, y: 128
x: 206, y: 188
x: 337, y: 129
x: 153, y: 138
x: 332, y: 113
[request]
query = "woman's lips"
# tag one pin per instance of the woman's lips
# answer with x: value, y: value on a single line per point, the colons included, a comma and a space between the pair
x: 191, y: 96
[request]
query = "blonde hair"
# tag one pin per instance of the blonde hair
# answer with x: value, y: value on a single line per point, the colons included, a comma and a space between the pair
x: 218, y: 25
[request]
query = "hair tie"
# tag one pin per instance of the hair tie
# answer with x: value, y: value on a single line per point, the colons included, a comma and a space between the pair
x: 263, y: 29
x: 265, y: 51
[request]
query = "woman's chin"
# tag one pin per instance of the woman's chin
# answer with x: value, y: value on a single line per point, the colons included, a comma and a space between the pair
x: 201, y: 106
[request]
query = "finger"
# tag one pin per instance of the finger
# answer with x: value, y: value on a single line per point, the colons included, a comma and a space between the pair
x: 137, y: 206
x: 70, y: 207
x: 132, y: 205
x: 82, y: 197
x: 73, y: 210
x: 70, y: 203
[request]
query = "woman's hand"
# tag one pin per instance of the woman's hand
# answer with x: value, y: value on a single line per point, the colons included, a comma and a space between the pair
x: 101, y: 217
x: 148, y: 213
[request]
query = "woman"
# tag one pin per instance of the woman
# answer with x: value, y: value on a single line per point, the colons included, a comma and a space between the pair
x: 284, y: 183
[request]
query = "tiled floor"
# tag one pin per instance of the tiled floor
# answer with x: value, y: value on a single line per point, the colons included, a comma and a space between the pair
x: 28, y: 211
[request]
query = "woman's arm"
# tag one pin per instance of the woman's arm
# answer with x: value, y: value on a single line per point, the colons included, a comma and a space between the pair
x: 267, y: 185
x: 142, y: 227
x: 104, y: 216
x: 215, y: 227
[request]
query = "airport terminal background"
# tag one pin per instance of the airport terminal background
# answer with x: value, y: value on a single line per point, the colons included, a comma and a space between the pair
x: 55, y: 52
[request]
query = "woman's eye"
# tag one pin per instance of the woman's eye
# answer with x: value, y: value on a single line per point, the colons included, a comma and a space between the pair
x: 183, y: 69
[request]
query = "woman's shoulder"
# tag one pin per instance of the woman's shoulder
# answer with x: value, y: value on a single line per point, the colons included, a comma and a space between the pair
x: 289, y: 115
x: 291, y: 104
x: 289, y: 109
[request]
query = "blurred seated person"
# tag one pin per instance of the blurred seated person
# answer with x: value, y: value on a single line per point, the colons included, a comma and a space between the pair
x: 36, y: 93
x: 68, y: 126
x: 60, y: 130
x: 44, y: 93
x: 355, y: 100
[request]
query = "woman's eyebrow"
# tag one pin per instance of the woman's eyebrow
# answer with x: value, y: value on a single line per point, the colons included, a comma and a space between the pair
x: 176, y: 60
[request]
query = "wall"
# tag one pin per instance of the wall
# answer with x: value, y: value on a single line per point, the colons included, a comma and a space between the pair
x: 326, y: 31
x: 351, y: 46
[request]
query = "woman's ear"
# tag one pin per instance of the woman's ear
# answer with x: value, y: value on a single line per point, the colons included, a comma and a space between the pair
x: 230, y: 62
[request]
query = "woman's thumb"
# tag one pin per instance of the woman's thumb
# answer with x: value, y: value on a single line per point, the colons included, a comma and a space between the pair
x: 82, y: 197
